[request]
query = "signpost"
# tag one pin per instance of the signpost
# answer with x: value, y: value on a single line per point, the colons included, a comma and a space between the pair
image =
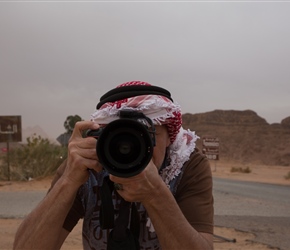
x: 210, y: 147
x: 10, y: 131
x: 63, y: 139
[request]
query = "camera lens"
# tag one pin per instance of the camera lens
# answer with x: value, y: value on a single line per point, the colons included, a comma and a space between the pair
x: 125, y: 147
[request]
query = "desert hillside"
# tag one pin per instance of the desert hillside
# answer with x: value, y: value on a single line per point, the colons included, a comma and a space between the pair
x: 244, y: 136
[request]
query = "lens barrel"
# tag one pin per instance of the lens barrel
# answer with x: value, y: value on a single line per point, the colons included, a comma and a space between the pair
x: 125, y: 147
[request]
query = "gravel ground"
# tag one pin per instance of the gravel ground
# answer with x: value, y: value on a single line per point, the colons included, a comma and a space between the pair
x: 273, y: 231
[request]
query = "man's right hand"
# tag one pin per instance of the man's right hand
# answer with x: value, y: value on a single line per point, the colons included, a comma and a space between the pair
x: 81, y: 154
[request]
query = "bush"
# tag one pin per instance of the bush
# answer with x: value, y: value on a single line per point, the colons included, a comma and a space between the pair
x: 241, y: 170
x: 287, y: 177
x: 38, y: 158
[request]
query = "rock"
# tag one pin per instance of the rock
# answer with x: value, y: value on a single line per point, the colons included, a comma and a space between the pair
x: 244, y: 136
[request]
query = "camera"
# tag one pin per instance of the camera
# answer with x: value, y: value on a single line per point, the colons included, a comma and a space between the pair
x: 125, y: 146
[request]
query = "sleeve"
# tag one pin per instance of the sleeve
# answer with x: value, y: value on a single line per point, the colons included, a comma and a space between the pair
x: 75, y: 213
x: 194, y: 193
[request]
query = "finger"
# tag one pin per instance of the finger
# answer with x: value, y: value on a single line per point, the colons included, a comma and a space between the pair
x: 94, y: 164
x: 117, y: 179
x: 99, y: 166
x: 81, y: 126
x: 84, y: 153
x: 114, y: 178
x: 86, y: 143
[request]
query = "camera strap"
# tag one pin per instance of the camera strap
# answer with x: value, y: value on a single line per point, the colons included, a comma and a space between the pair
x: 132, y: 91
x: 107, y: 208
x: 122, y: 236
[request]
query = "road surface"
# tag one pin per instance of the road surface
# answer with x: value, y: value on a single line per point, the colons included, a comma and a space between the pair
x: 263, y: 209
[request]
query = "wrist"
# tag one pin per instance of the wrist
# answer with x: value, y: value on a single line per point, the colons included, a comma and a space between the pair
x: 74, y: 179
x: 160, y: 192
x: 65, y: 184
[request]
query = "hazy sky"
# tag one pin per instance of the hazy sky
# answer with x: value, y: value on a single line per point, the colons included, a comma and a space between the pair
x: 58, y: 58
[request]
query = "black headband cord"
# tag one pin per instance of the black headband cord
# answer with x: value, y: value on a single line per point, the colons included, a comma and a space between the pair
x: 131, y: 91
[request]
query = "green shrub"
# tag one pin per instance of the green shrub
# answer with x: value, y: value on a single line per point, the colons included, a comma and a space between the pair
x: 287, y: 177
x: 37, y: 158
x: 241, y: 170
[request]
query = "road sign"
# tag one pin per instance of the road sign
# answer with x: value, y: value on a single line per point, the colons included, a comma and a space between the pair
x: 10, y: 129
x: 210, y: 147
x: 63, y: 139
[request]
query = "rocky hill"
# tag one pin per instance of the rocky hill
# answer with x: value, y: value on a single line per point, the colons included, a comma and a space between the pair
x: 26, y: 132
x: 244, y: 136
x: 35, y: 130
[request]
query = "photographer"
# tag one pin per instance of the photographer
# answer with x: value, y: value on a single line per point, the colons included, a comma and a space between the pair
x: 163, y: 201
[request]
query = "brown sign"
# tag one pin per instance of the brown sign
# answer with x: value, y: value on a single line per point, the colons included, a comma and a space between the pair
x: 210, y: 147
x: 10, y: 129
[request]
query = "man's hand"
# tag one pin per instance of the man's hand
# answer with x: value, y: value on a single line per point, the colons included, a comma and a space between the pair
x: 142, y: 187
x: 81, y: 154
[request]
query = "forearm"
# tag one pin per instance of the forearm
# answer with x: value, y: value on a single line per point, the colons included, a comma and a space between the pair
x: 172, y: 228
x: 42, y: 227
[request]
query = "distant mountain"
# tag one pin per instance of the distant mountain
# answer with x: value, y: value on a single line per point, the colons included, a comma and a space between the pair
x: 37, y: 130
x: 244, y: 136
x: 27, y: 132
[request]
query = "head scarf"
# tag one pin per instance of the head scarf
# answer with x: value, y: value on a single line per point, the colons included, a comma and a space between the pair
x: 160, y: 109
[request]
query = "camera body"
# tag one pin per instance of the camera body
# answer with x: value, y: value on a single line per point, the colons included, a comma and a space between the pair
x: 125, y: 146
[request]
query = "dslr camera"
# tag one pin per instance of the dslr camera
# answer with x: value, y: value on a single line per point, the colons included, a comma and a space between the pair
x: 125, y: 146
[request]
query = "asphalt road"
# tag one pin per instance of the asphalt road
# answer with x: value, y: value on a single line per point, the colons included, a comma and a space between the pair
x: 20, y: 203
x: 263, y: 209
x: 242, y: 198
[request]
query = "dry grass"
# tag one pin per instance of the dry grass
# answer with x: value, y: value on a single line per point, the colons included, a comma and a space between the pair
x: 287, y: 177
x: 246, y: 170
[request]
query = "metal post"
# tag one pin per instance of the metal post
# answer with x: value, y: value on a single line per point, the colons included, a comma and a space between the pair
x: 8, y: 158
x: 9, y: 133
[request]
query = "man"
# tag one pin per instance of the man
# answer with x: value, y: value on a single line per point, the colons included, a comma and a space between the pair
x: 173, y: 194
